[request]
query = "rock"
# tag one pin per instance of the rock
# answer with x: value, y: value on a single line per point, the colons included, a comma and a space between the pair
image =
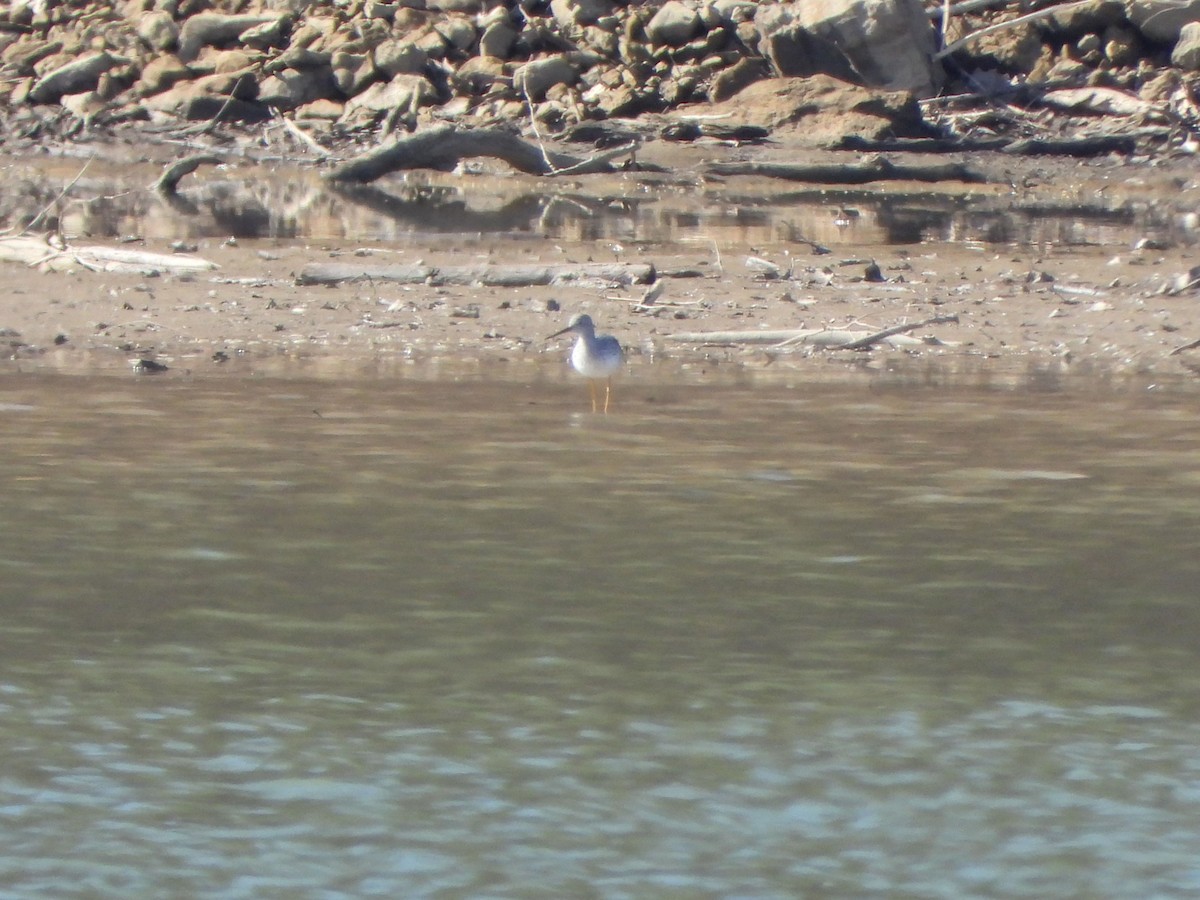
x: 431, y: 42
x: 823, y: 109
x: 572, y: 14
x: 1122, y: 47
x: 298, y: 58
x: 290, y: 89
x: 1162, y: 21
x: 374, y: 9
x: 395, y: 57
x: 161, y: 73
x: 887, y: 44
x: 458, y: 32
x: 320, y: 111
x: 158, y: 30
x: 735, y: 10
x: 622, y: 101
x: 209, y: 29
x: 673, y: 25
x: 535, y: 78
x: 477, y: 75
x: 1012, y: 50
x: 737, y: 78
x: 352, y: 72
x: 85, y: 106
x: 404, y: 92
x: 1186, y: 54
x: 269, y: 35
x: 225, y: 62
x: 1070, y: 22
x: 204, y: 99
x: 497, y: 40
x: 1161, y: 88
x: 470, y: 7
x: 75, y: 77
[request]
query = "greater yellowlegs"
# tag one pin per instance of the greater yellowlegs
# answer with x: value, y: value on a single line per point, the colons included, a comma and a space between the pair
x: 594, y: 356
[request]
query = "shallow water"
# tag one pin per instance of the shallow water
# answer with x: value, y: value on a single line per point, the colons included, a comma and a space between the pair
x: 269, y: 638
x: 625, y: 216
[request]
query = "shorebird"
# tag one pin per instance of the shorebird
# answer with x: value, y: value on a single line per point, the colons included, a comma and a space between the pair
x: 594, y: 356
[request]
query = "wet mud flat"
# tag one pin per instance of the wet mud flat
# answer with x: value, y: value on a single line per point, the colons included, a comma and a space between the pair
x: 1048, y: 264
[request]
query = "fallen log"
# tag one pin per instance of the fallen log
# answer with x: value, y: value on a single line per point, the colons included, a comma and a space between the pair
x: 852, y: 173
x: 444, y: 146
x: 42, y: 254
x: 168, y: 182
x: 486, y: 275
x: 1098, y: 145
x: 860, y: 144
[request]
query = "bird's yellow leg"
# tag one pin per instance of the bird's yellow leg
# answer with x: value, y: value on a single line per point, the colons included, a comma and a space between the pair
x: 607, y: 392
x: 592, y: 392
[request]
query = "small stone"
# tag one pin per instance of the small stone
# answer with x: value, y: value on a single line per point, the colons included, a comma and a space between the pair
x: 147, y: 367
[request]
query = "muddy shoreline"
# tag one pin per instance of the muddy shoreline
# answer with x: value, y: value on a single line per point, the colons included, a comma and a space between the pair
x: 1098, y: 303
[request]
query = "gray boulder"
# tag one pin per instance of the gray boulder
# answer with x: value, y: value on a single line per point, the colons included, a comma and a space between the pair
x: 886, y: 44
x: 209, y: 29
x: 1186, y: 54
x: 1162, y: 21
x: 75, y: 77
x: 673, y: 25
x: 535, y: 78
x: 577, y: 13
x: 395, y: 57
x: 158, y: 30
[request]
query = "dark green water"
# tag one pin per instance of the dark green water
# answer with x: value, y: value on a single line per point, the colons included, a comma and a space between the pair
x: 280, y: 639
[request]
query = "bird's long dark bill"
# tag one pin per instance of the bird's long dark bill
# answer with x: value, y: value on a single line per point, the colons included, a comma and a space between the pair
x: 557, y: 333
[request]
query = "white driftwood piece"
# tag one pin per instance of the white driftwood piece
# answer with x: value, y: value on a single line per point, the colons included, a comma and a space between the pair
x: 39, y: 253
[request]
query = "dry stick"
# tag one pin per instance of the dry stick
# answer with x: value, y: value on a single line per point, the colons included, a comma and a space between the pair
x: 966, y: 7
x: 58, y: 199
x: 1019, y: 20
x: 1189, y: 346
x: 866, y: 342
x: 300, y: 134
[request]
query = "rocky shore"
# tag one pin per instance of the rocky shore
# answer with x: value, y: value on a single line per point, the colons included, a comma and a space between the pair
x: 1087, y: 106
x: 341, y: 69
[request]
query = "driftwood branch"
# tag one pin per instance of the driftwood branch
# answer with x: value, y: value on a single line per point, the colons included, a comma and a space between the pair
x: 487, y: 275
x: 865, y: 343
x: 1087, y: 146
x: 58, y: 256
x: 445, y: 146
x: 853, y: 173
x: 168, y: 182
x: 784, y: 340
x: 1191, y: 345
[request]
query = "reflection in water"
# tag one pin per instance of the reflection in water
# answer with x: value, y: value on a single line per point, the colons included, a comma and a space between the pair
x: 275, y: 638
x: 655, y: 211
